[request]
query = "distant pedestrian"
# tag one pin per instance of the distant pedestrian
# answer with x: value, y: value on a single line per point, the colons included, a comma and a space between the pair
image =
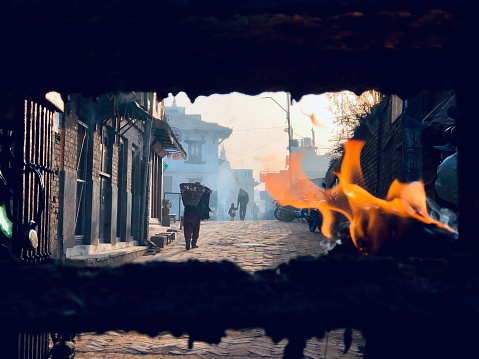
x: 193, y: 216
x: 232, y: 211
x: 243, y: 199
x: 255, y: 211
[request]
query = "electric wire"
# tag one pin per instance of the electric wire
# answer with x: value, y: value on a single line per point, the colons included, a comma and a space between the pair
x: 260, y: 148
x: 257, y: 128
x: 254, y: 158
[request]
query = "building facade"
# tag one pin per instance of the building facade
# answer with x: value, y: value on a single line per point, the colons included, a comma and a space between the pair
x: 313, y: 165
x: 201, y: 141
x: 109, y: 154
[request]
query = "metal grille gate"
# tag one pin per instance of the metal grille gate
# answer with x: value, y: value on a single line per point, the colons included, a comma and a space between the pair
x: 26, y: 164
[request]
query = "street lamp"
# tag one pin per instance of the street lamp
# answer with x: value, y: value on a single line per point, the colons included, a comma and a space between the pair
x: 290, y: 132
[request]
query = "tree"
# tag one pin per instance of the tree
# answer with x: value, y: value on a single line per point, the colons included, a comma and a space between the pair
x: 350, y: 111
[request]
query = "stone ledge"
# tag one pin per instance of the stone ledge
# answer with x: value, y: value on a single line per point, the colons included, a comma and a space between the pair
x: 409, y: 305
x: 108, y: 258
x: 100, y: 248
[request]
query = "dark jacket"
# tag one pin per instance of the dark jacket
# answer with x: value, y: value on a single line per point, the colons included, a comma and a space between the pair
x: 204, y: 205
x: 243, y: 197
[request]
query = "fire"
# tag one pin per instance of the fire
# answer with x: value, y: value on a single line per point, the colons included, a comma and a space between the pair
x: 373, y: 221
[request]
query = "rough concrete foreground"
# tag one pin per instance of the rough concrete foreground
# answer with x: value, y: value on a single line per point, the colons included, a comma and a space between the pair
x: 253, y: 246
x: 410, y: 305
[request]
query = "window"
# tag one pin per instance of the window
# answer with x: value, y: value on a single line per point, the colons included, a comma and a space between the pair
x: 82, y: 144
x: 396, y: 107
x: 167, y: 183
x: 106, y: 151
x: 195, y: 151
x: 104, y: 209
x: 56, y: 122
x: 122, y: 192
x: 105, y: 184
x: 135, y: 191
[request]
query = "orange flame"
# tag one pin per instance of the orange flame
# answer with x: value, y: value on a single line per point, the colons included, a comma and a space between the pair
x: 372, y: 220
x: 313, y: 118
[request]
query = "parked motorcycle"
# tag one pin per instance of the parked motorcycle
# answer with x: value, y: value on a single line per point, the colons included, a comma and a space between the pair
x: 289, y: 213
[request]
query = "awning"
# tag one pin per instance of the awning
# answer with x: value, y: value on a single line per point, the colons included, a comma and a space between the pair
x: 164, y: 136
x: 131, y: 110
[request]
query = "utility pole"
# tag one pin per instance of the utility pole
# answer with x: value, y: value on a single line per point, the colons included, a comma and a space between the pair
x: 290, y: 132
x: 290, y: 139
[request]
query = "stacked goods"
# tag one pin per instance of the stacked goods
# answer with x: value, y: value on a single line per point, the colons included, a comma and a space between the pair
x: 191, y: 193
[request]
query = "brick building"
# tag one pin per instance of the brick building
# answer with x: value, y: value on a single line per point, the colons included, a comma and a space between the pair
x: 400, y: 135
x: 109, y: 160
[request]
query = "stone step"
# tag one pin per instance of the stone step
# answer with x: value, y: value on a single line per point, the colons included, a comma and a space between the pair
x: 162, y: 239
x: 108, y: 258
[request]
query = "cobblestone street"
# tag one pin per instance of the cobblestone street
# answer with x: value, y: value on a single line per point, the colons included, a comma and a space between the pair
x: 252, y: 245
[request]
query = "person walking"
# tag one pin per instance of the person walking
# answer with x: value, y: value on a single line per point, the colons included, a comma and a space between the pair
x: 232, y: 211
x: 193, y: 216
x: 255, y: 211
x: 242, y: 203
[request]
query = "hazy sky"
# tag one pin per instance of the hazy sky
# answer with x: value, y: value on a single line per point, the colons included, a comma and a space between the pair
x: 259, y: 139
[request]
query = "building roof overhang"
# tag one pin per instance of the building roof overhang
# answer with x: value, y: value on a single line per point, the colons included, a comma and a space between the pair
x: 164, y: 136
x: 163, y: 139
